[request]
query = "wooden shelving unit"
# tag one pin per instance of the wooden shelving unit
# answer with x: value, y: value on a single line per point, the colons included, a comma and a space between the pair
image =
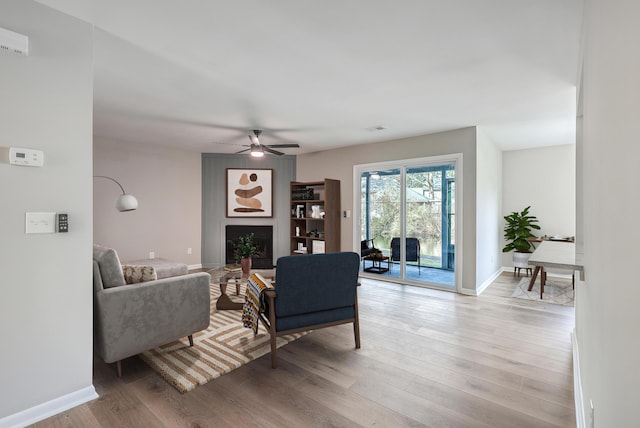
x: 315, y: 229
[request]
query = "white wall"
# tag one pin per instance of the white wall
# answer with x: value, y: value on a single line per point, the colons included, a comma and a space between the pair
x: 338, y: 164
x: 46, y: 304
x: 545, y: 179
x: 168, y: 185
x: 607, y: 303
x: 488, y: 210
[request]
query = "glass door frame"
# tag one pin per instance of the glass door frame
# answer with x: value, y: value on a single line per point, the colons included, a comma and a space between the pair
x: 403, y: 165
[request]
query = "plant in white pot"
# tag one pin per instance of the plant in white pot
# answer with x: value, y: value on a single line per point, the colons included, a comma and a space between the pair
x: 517, y: 229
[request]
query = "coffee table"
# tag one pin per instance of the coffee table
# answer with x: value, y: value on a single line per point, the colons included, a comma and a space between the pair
x: 224, y: 302
x: 376, y: 264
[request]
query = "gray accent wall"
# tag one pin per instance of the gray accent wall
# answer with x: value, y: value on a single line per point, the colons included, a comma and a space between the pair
x: 214, y: 219
x: 46, y: 305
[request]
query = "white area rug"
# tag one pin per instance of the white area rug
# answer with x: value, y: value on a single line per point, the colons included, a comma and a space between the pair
x: 557, y: 291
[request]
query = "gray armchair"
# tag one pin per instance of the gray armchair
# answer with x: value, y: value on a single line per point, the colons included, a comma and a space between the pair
x: 132, y: 318
x: 311, y: 292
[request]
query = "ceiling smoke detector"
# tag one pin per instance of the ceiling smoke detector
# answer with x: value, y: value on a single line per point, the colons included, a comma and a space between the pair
x: 376, y: 128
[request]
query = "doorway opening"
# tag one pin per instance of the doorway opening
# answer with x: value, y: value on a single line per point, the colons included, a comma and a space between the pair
x: 408, y: 211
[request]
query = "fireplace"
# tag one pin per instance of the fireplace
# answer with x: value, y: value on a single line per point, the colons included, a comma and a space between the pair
x: 263, y: 236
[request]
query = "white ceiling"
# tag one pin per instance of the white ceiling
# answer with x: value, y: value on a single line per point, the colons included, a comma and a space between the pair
x: 202, y: 74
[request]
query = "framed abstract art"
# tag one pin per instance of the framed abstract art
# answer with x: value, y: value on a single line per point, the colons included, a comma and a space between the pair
x: 249, y: 192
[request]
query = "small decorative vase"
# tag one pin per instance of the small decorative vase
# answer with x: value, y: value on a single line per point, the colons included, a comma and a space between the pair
x: 245, y: 265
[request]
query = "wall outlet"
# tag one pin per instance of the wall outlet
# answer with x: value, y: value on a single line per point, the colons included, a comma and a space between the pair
x: 189, y: 251
x: 152, y: 255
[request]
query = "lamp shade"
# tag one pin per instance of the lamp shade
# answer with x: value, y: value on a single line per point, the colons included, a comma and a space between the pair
x: 126, y: 203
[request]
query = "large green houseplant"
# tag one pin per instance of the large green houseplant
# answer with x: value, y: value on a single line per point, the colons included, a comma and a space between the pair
x: 517, y: 229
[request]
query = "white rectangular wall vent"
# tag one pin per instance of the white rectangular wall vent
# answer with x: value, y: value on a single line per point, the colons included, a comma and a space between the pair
x: 13, y: 42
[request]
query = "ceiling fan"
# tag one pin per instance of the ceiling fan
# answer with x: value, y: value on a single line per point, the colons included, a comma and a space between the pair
x: 257, y: 149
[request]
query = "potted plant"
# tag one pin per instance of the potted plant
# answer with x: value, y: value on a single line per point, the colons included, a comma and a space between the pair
x: 244, y: 247
x: 517, y: 229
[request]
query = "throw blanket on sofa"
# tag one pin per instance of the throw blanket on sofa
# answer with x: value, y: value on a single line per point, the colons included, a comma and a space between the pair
x: 253, y: 301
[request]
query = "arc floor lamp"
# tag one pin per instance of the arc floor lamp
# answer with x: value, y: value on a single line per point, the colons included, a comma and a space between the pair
x: 125, y: 202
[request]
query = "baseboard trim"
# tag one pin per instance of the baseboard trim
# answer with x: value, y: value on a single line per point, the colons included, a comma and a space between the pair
x: 483, y: 286
x: 193, y: 267
x: 578, y: 398
x: 488, y: 281
x: 50, y: 408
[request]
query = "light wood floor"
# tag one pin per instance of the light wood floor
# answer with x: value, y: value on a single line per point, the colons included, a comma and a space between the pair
x: 428, y: 358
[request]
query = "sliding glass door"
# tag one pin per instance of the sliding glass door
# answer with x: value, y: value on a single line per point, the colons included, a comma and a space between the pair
x: 407, y: 212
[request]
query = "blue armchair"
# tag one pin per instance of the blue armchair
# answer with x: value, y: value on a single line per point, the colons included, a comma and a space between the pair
x: 311, y: 292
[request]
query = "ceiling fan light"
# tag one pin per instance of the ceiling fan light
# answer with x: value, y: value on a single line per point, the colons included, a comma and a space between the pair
x: 256, y: 151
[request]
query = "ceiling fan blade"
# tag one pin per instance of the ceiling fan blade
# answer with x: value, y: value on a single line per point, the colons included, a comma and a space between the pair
x: 275, y: 152
x: 283, y: 145
x: 242, y: 151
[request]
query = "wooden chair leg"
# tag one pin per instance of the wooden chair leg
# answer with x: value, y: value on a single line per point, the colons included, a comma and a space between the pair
x: 272, y: 331
x: 119, y: 367
x: 356, y: 324
x: 543, y: 280
x: 274, y: 350
x: 190, y: 339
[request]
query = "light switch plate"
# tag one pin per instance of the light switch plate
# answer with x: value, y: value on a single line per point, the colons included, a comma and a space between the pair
x: 40, y: 223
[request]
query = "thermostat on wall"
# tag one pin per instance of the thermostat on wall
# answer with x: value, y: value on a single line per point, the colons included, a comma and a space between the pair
x: 25, y: 157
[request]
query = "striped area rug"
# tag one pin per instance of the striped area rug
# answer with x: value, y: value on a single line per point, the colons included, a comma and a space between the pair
x: 221, y: 348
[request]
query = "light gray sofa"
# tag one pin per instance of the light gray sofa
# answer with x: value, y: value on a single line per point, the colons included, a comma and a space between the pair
x: 132, y: 318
